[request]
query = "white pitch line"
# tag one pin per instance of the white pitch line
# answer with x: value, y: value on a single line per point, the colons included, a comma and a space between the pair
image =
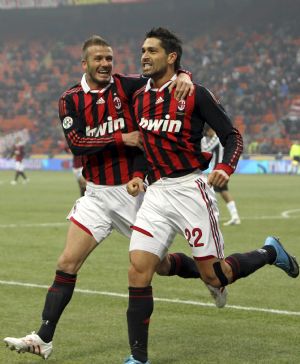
x: 47, y: 224
x: 284, y: 216
x: 168, y: 300
x: 287, y: 214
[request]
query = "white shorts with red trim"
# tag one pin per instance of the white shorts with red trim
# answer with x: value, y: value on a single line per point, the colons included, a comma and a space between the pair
x: 184, y: 205
x: 104, y: 208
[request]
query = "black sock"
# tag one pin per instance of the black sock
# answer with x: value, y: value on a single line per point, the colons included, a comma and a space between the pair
x: 245, y: 264
x: 271, y: 253
x: 58, y: 296
x: 23, y: 175
x: 183, y: 266
x: 140, y: 308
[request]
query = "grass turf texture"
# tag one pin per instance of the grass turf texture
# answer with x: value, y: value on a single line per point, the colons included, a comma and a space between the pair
x: 93, y: 327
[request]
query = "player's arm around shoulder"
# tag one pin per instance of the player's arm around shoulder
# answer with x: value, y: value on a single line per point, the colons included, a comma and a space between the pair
x: 183, y: 85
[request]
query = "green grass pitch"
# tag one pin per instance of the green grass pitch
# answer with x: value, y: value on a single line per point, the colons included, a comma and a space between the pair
x: 261, y: 323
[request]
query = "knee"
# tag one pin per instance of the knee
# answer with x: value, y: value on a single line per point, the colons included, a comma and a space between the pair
x: 211, y: 279
x: 67, y: 264
x: 163, y: 268
x: 217, y: 275
x: 139, y: 276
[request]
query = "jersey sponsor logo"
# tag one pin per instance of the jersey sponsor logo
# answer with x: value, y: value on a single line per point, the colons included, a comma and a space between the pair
x: 106, y: 128
x: 67, y: 122
x: 171, y: 126
x: 100, y: 101
x: 181, y: 105
x: 117, y: 103
x: 159, y: 100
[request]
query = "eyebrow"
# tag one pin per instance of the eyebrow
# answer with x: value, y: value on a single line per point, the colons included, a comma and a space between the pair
x: 151, y: 48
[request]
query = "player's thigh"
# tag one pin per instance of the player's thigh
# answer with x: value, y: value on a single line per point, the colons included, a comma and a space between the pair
x: 90, y: 213
x: 79, y: 244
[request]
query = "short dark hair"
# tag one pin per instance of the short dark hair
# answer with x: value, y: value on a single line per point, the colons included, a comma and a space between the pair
x: 93, y: 40
x: 169, y: 41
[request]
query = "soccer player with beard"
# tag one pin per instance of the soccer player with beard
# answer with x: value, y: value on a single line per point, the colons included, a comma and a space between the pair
x: 98, y: 123
x: 180, y: 198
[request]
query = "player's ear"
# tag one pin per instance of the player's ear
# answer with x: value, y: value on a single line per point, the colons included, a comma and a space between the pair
x: 84, y: 65
x: 172, y: 58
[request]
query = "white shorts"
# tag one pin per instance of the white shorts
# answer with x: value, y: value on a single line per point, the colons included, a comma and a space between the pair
x: 186, y: 205
x: 104, y: 208
x: 19, y: 166
x: 78, y: 173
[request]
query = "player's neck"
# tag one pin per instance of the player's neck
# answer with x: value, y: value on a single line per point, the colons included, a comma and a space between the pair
x: 161, y: 80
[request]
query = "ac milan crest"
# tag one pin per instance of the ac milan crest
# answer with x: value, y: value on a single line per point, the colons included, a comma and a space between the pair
x: 181, y: 105
x: 117, y: 103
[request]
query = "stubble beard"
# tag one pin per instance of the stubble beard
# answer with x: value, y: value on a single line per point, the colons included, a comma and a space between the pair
x: 156, y: 75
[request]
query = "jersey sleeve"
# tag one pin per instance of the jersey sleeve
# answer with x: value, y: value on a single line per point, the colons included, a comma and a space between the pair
x: 140, y: 164
x: 74, y: 130
x: 212, y: 112
x: 131, y: 83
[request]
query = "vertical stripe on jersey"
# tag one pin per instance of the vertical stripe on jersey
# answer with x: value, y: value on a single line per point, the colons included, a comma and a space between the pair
x: 183, y: 137
x: 164, y: 143
x: 186, y: 118
x: 115, y: 170
x: 86, y: 101
x: 212, y: 219
x: 143, y: 103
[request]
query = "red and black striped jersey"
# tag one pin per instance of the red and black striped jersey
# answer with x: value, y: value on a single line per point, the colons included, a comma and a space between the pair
x: 93, y: 122
x: 77, y: 161
x: 172, y: 130
x: 19, y: 152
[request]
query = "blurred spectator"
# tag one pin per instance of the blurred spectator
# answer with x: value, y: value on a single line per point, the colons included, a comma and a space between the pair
x: 255, y: 73
x: 295, y: 157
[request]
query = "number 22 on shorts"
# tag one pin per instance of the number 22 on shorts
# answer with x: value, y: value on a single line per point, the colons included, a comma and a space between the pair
x: 193, y: 237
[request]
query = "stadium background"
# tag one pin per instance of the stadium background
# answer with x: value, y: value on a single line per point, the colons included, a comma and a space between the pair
x: 247, y: 52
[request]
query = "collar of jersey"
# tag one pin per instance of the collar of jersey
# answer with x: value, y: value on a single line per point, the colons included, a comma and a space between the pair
x: 150, y: 83
x: 86, y: 88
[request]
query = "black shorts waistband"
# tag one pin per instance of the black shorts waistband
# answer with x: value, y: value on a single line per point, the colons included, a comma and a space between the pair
x: 183, y: 172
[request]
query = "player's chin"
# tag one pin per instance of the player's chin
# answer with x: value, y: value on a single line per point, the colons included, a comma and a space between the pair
x: 104, y: 78
x: 147, y: 73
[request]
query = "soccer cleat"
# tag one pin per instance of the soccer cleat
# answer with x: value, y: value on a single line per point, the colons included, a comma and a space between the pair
x: 31, y: 343
x: 131, y: 360
x: 283, y: 260
x: 233, y: 221
x: 218, y: 294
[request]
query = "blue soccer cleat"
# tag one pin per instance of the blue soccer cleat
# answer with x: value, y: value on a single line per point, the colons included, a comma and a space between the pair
x: 131, y: 360
x: 283, y: 259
